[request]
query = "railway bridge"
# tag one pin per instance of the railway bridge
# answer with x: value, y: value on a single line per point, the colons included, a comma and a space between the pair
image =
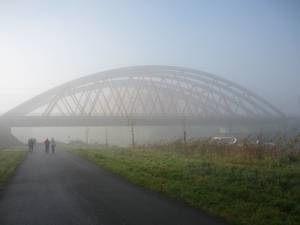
x: 148, y: 96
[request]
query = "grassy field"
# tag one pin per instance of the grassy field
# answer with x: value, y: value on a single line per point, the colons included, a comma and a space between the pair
x: 9, y: 160
x: 244, y: 184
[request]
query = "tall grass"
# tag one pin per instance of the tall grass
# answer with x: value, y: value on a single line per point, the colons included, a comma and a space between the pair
x: 9, y: 160
x: 243, y: 183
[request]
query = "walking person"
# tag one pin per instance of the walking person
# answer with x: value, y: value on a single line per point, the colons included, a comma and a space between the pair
x: 30, y: 144
x: 53, y: 145
x: 47, y: 143
x: 34, y: 142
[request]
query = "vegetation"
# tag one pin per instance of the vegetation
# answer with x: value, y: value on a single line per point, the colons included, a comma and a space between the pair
x: 244, y: 183
x: 9, y: 160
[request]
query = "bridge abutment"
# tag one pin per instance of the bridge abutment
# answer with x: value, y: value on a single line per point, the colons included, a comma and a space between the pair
x: 5, y: 124
x: 6, y: 137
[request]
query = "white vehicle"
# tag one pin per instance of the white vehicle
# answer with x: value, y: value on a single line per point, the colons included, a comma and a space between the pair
x: 268, y: 144
x: 224, y: 140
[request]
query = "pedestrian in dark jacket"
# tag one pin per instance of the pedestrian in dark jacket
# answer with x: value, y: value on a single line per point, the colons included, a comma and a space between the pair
x: 47, y: 143
x: 30, y: 144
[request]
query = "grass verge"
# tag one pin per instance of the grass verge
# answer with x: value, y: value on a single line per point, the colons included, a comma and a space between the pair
x: 9, y: 160
x: 263, y: 190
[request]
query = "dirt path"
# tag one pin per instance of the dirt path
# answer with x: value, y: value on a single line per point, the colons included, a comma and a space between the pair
x: 62, y: 188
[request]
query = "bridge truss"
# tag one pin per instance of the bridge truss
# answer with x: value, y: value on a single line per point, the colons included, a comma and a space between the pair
x: 146, y: 93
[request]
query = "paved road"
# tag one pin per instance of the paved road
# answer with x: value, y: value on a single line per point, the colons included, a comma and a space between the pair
x: 62, y: 188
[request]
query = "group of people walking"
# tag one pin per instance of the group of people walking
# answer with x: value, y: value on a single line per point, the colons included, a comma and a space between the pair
x: 31, y: 143
x: 47, y: 143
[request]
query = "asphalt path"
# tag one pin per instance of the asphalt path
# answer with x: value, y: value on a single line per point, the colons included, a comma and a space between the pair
x: 62, y: 188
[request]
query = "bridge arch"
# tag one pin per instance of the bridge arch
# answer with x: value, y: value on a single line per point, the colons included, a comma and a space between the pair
x: 148, y: 91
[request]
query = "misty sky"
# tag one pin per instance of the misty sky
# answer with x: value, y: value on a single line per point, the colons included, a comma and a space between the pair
x: 254, y: 43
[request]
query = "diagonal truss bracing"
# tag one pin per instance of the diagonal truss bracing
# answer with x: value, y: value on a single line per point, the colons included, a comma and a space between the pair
x: 148, y: 91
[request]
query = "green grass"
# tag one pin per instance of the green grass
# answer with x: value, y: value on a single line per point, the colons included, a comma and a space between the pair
x: 9, y: 160
x: 242, y: 186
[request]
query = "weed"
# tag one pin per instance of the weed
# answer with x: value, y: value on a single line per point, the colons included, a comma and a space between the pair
x: 9, y: 160
x: 243, y: 183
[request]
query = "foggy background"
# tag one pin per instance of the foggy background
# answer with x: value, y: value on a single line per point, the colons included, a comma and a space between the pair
x: 118, y: 136
x: 46, y: 43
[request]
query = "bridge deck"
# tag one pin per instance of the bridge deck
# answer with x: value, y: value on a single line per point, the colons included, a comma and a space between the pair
x: 69, y: 121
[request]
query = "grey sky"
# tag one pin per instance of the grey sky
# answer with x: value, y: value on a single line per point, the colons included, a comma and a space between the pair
x: 255, y: 44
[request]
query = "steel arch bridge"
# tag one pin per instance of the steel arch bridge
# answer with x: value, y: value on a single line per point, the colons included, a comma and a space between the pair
x: 147, y: 95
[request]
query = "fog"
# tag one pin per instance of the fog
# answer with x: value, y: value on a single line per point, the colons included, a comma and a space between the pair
x: 254, y: 44
x: 122, y: 136
x: 119, y: 136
